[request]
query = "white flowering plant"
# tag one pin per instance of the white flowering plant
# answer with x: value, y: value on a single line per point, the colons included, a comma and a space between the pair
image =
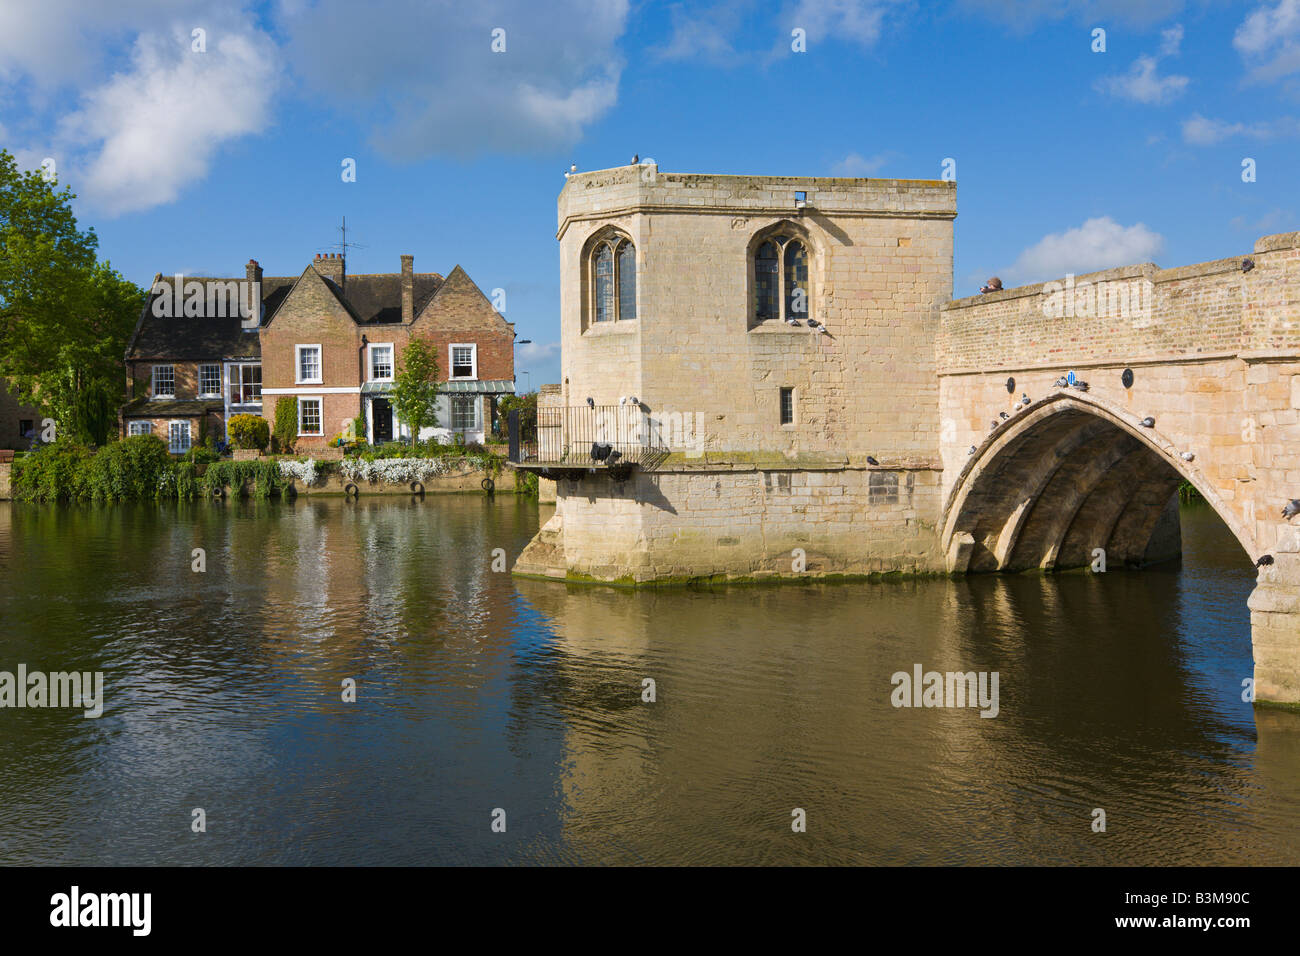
x: 304, y: 471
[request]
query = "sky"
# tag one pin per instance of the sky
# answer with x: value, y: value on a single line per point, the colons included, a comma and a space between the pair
x: 1073, y: 150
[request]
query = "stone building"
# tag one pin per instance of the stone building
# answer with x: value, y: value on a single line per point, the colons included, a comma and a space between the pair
x: 329, y: 340
x: 768, y: 377
x: 777, y: 336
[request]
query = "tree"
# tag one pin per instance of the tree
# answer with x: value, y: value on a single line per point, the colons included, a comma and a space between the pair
x: 415, y: 387
x: 526, y: 404
x: 65, y: 319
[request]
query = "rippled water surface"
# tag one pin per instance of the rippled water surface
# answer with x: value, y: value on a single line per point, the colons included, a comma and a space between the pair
x: 475, y: 691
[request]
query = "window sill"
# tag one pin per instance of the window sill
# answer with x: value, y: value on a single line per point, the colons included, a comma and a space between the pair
x: 778, y: 327
x: 625, y: 327
x: 310, y: 381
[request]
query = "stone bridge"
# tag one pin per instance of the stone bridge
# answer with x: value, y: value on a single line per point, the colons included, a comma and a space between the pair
x: 1181, y: 375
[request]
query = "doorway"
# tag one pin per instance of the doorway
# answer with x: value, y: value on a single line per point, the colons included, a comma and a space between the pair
x: 381, y: 411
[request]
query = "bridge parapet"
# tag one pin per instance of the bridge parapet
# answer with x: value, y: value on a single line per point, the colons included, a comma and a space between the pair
x: 1133, y: 314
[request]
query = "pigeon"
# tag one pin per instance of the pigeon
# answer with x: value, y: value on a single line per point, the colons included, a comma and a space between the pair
x: 591, y: 402
x: 1024, y: 397
x: 972, y: 450
x: 993, y: 426
x: 633, y: 400
x: 1062, y: 382
x: 613, y: 456
x: 1187, y: 456
x: 600, y: 452
x: 872, y: 461
x: 1292, y: 508
x: 813, y: 324
x: 790, y: 321
x: 1148, y: 422
x: 1247, y: 265
x: 1081, y: 385
x: 821, y: 329
x: 636, y: 158
x: 1003, y: 415
x: 1264, y: 561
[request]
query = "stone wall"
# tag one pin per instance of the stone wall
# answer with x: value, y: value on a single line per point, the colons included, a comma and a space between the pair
x: 12, y: 414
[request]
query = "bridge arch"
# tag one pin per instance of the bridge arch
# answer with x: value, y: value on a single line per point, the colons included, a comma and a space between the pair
x: 1069, y: 474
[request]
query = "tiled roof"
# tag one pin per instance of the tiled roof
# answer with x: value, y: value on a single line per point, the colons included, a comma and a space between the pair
x: 378, y: 298
x: 141, y: 408
x: 186, y: 338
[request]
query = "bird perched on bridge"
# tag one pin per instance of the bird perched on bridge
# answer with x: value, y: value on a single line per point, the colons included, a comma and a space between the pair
x: 613, y: 456
x: 790, y: 320
x: 1264, y: 561
x: 972, y: 450
x: 872, y: 461
x: 1003, y: 415
x: 1080, y: 384
x: 1062, y: 382
x: 1187, y: 456
x: 1291, y: 509
x: 814, y: 324
x: 1148, y: 422
x: 600, y: 451
x: 1024, y: 398
x: 1247, y: 265
x: 591, y: 402
x: 636, y: 158
x: 993, y: 426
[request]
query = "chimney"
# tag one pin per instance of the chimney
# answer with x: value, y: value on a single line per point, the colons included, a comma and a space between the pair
x: 251, y: 300
x: 408, y: 289
x: 331, y: 267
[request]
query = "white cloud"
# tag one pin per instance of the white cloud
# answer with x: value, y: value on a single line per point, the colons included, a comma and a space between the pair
x: 1171, y: 40
x: 423, y: 76
x: 861, y: 21
x: 537, y: 351
x: 154, y: 129
x: 1199, y: 130
x: 1100, y: 243
x: 1023, y: 15
x: 1143, y: 83
x: 855, y: 164
x: 1269, y: 41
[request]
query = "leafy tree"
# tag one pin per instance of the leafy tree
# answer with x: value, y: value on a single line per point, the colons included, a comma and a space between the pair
x: 286, y: 423
x: 527, y: 406
x: 65, y: 319
x: 415, y: 387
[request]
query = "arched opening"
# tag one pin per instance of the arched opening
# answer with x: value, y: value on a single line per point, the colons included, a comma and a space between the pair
x: 1065, y: 483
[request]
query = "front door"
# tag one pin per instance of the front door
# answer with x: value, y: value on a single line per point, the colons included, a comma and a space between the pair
x: 381, y: 410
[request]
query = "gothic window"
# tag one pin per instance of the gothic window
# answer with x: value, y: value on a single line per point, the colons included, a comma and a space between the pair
x: 782, y: 280
x: 613, y: 272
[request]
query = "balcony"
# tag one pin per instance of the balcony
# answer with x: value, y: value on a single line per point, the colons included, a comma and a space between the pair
x: 572, y: 441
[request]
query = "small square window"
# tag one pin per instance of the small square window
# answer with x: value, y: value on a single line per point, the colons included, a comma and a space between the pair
x: 463, y: 361
x: 139, y: 428
x: 26, y: 428
x: 787, y: 406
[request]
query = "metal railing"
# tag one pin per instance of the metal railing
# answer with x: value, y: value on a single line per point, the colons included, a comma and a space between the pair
x: 586, y: 436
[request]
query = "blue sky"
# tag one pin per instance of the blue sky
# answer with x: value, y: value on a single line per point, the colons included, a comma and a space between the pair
x: 1067, y: 159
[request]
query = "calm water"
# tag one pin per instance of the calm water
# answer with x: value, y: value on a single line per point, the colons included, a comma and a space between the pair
x: 475, y: 691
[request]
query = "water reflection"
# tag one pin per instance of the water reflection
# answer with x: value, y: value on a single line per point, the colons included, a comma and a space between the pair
x: 476, y: 691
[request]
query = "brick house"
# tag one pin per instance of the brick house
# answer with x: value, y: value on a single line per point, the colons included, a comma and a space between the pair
x: 193, y: 360
x: 18, y: 423
x: 331, y: 341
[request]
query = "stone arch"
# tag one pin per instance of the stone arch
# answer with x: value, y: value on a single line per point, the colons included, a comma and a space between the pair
x: 1069, y: 474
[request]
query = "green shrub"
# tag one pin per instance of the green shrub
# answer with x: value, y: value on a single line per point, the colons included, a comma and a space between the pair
x: 286, y: 423
x: 249, y: 431
x: 131, y: 469
x: 263, y: 475
x: 51, y: 473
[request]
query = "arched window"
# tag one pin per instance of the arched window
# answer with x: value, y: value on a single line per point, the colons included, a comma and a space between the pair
x: 782, y: 280
x: 613, y: 272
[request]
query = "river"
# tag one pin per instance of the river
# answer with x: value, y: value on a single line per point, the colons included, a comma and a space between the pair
x: 478, y: 693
